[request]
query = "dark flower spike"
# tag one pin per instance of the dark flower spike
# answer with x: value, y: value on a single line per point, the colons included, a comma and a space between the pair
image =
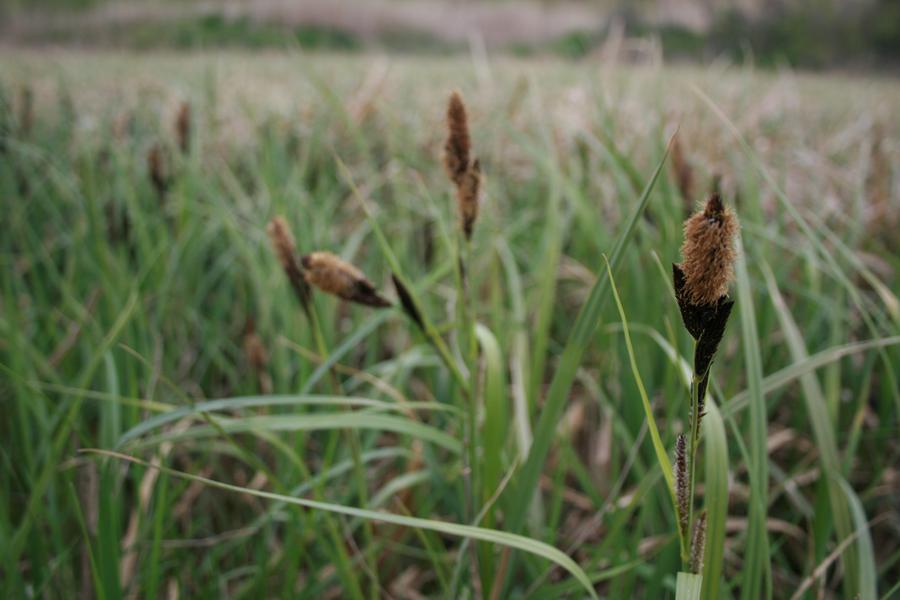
x: 681, y: 483
x: 406, y: 301
x: 698, y: 543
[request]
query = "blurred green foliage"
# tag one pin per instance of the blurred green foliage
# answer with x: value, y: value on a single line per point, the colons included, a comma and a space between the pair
x: 804, y: 34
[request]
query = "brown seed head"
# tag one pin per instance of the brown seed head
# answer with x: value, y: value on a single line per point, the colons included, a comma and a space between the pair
x: 708, y: 252
x: 254, y: 349
x: 183, y: 127
x: 458, y: 145
x: 698, y: 543
x: 285, y: 250
x: 338, y: 277
x: 159, y: 169
x: 884, y: 212
x: 684, y: 173
x: 681, y: 483
x: 467, y: 194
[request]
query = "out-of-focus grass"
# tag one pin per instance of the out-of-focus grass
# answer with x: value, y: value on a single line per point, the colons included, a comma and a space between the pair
x: 118, y: 306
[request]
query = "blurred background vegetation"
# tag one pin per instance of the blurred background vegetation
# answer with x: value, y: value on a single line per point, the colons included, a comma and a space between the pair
x: 815, y: 34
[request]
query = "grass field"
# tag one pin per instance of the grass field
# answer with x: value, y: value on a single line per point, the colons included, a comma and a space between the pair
x: 153, y: 319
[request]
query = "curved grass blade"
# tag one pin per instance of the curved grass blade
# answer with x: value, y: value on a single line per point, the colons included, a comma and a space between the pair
x: 518, y: 542
x: 661, y: 455
x: 778, y: 379
x: 313, y: 422
x: 260, y: 401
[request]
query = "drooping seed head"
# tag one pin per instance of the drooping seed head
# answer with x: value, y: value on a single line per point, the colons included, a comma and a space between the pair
x: 698, y: 543
x: 458, y: 144
x: 338, y: 277
x: 407, y: 303
x: 681, y: 483
x: 286, y: 251
x: 708, y: 253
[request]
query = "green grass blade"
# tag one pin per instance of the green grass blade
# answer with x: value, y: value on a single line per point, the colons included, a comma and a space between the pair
x: 757, y: 582
x: 582, y: 332
x: 312, y: 422
x: 716, y: 498
x: 242, y: 402
x: 495, y: 424
x: 868, y: 579
x: 688, y: 586
x: 493, y: 437
x: 817, y: 411
x: 788, y: 375
x: 661, y: 455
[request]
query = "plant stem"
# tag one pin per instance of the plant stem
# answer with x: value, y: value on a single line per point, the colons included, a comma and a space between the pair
x: 355, y: 448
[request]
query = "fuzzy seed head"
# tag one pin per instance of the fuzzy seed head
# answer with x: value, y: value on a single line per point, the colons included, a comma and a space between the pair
x: 698, y: 543
x: 458, y: 145
x: 708, y: 252
x: 338, y: 277
x: 681, y: 483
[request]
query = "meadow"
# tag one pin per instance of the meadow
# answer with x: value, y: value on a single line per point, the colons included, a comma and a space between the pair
x: 499, y: 448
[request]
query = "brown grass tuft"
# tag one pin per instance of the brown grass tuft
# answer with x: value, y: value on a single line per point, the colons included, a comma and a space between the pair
x: 257, y: 355
x: 338, y: 277
x: 458, y: 145
x: 286, y: 251
x: 708, y: 252
x: 158, y: 167
x: 883, y: 215
x: 183, y: 127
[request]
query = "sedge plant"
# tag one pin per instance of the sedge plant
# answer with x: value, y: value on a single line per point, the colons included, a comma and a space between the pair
x: 701, y: 289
